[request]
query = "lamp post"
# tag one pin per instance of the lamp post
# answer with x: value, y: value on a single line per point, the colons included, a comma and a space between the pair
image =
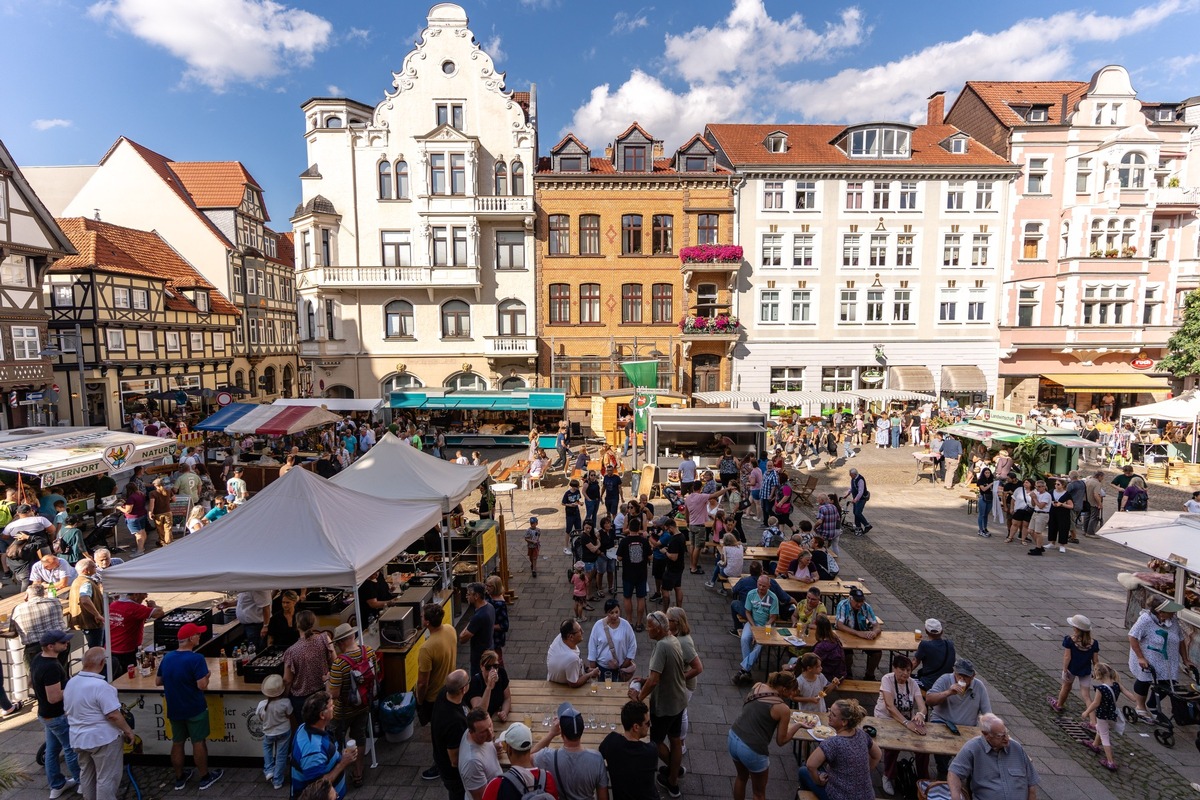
x: 53, y: 352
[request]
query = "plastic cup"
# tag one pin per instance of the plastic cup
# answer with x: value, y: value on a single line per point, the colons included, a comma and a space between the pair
x: 592, y: 686
x: 608, y: 682
x: 528, y: 720
x: 770, y: 631
x: 917, y: 634
x: 131, y: 671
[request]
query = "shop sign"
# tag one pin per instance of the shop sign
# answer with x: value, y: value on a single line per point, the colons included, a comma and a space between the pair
x: 116, y: 456
x: 1005, y: 417
x: 1141, y: 362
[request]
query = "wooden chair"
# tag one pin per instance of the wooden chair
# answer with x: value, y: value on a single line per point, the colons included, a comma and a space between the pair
x: 804, y: 493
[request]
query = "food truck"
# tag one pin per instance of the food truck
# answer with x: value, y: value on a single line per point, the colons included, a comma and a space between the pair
x: 703, y: 432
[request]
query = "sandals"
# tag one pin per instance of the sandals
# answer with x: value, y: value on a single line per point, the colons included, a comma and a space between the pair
x: 1111, y: 766
x: 1095, y: 748
x: 1053, y: 701
x: 356, y: 782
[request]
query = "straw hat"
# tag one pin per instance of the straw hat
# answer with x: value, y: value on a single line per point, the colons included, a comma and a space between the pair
x: 273, y: 686
x: 1081, y: 622
x: 343, y: 631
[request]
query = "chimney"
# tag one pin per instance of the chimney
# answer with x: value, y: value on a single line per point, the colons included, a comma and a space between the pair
x: 657, y: 148
x: 608, y: 152
x: 937, y: 109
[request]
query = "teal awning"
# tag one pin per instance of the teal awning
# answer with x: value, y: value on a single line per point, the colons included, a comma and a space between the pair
x: 489, y: 401
x: 980, y: 433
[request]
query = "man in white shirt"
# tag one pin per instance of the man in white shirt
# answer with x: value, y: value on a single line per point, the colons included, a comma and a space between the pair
x: 687, y: 473
x: 254, y: 613
x: 612, y: 645
x: 478, y: 756
x: 98, y: 729
x: 53, y: 571
x: 563, y: 662
x: 1193, y: 505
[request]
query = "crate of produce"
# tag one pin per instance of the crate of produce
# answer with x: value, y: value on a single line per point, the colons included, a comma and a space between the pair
x: 166, y: 627
x: 270, y: 662
x: 323, y: 602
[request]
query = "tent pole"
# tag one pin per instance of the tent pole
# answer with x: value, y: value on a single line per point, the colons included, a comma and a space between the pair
x: 445, y: 537
x: 362, y: 640
x: 108, y: 641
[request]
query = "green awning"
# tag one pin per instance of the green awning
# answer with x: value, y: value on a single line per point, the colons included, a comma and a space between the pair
x: 981, y: 434
x: 548, y: 401
x: 489, y: 401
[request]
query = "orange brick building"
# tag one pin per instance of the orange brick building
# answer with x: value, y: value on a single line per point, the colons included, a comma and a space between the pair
x: 611, y: 283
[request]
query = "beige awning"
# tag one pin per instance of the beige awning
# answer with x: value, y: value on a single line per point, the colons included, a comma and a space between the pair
x: 1108, y: 382
x: 963, y: 378
x: 912, y: 379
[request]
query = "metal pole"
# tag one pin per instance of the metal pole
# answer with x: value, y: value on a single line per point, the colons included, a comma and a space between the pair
x: 83, y: 411
x: 362, y: 640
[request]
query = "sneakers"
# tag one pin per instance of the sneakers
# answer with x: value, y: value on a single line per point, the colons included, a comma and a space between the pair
x: 888, y: 787
x: 566, y: 551
x: 212, y: 777
x: 662, y: 772
x: 654, y: 598
x: 1053, y: 703
x: 431, y: 774
x: 435, y: 777
x: 735, y: 632
x: 709, y: 585
x: 181, y: 783
x: 867, y: 529
x: 1062, y: 549
x: 741, y: 677
x: 673, y: 791
x: 66, y: 787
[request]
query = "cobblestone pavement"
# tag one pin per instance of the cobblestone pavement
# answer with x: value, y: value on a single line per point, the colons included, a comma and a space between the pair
x: 1004, y: 610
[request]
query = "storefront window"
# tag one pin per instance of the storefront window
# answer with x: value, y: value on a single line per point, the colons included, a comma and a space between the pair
x: 837, y: 379
x: 133, y: 397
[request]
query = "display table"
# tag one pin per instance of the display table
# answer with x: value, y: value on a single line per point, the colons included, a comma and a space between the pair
x: 536, y: 702
x: 500, y: 491
x: 927, y: 467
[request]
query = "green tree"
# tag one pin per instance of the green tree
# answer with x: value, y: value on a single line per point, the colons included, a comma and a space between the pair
x: 1183, y: 358
x: 1032, y: 455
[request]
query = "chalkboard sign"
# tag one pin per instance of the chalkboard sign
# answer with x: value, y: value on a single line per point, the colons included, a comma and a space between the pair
x: 181, y: 507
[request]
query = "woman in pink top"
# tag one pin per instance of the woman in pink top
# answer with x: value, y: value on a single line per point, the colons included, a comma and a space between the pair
x: 753, y: 484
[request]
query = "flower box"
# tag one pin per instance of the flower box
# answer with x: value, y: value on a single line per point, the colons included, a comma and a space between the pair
x: 716, y: 325
x: 711, y: 254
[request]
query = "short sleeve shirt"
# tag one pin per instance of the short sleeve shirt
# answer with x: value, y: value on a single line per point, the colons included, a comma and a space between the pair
x: 127, y: 619
x: 670, y: 695
x: 761, y: 608
x: 861, y: 620
x: 180, y: 670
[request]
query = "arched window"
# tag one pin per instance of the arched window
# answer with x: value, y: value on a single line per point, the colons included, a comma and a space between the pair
x: 333, y: 122
x: 400, y: 382
x: 398, y: 320
x: 401, y: 180
x: 385, y: 180
x: 466, y: 382
x: 269, y: 380
x: 512, y: 318
x: 518, y: 178
x: 509, y: 384
x: 1127, y: 234
x: 501, y: 178
x: 456, y: 320
x: 288, y: 379
x: 310, y: 320
x: 239, y: 379
x: 1133, y: 171
x: 253, y: 387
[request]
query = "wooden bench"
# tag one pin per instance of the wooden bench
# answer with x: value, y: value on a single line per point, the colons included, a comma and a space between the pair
x: 858, y: 687
x: 972, y: 502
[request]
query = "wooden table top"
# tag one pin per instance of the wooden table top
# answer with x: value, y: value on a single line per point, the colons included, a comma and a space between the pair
x: 891, y: 735
x: 761, y: 553
x: 896, y: 641
x: 540, y: 700
x: 828, y: 588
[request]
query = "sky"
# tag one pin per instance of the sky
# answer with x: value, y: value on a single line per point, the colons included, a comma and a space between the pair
x: 201, y: 80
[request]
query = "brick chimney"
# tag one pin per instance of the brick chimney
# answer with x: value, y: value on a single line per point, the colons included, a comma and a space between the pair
x: 937, y: 109
x: 657, y: 149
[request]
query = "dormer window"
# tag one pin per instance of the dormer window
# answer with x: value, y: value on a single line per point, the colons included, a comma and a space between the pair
x: 333, y: 122
x: 1165, y: 114
x: 777, y: 143
x: 450, y: 114
x: 200, y: 300
x: 570, y: 164
x: 634, y: 158
x: 958, y: 145
x: 695, y: 164
x: 879, y: 143
x: 1038, y: 114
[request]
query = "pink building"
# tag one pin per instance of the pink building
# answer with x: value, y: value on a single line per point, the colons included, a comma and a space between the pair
x: 1103, y: 235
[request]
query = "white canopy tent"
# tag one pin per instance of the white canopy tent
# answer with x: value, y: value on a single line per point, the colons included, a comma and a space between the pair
x: 60, y: 455
x: 334, y: 403
x: 1171, y: 536
x: 1184, y: 408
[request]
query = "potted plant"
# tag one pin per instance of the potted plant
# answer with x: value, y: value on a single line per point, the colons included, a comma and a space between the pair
x: 1173, y: 183
x: 1129, y: 251
x: 1096, y: 253
x: 1032, y: 456
x: 1113, y: 253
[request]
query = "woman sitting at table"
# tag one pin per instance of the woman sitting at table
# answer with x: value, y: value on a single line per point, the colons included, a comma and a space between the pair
x: 489, y: 687
x: 730, y: 563
x: 900, y: 699
x: 829, y: 647
x: 765, y: 715
x: 825, y: 564
x: 802, y: 568
x: 848, y: 758
x: 281, y: 630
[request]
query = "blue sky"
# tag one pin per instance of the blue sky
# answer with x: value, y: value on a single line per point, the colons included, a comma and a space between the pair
x: 180, y: 77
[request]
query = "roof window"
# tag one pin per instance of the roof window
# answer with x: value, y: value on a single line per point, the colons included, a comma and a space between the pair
x: 880, y: 143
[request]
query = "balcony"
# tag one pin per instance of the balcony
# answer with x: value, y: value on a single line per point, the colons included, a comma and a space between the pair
x: 510, y: 346
x: 486, y: 207
x: 1176, y: 198
x: 322, y: 353
x: 428, y: 278
x: 722, y: 328
x: 711, y: 259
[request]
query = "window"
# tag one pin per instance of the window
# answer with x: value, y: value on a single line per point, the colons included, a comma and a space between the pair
x: 879, y: 143
x: 881, y: 196
x: 837, y: 379
x: 802, y: 250
x: 768, y: 305
x: 878, y: 253
x: 437, y: 173
x: 518, y: 178
x: 560, y: 303
x: 397, y: 248
x: 958, y: 145
x: 1083, y: 175
x: 904, y: 250
x: 951, y: 247
x: 456, y: 320
x: 458, y: 173
x: 401, y: 180
x: 773, y: 194
x: 1133, y: 171
x: 772, y: 249
x: 589, y: 376
x: 145, y: 340
x: 955, y: 192
x: 589, y: 234
x: 589, y: 303
x: 983, y: 196
x: 706, y: 299
x: 63, y: 297
x: 948, y: 307
x: 559, y: 234
x: 239, y: 338
x: 173, y: 342
x: 634, y: 158
x: 1035, y: 176
x: 695, y: 163
x: 875, y: 305
x: 385, y: 180
x: 121, y: 297
x: 441, y: 246
x: 631, y: 234
x: 450, y: 113
x: 239, y: 286
x: 501, y: 178
x: 801, y: 305
x: 631, y: 303
x: 1032, y: 246
x: 512, y: 318
x: 306, y: 256
x: 979, y: 250
x: 219, y: 342
x: 115, y: 340
x: 1037, y: 114
x: 254, y: 325
x: 901, y: 305
x: 706, y: 229
x: 459, y: 235
x: 908, y: 195
x: 26, y: 345
x: 662, y: 234
x: 661, y: 303
x: 1104, y: 305
x: 806, y: 195
x: 510, y: 250
x: 398, y: 319
x: 976, y: 309
x: 777, y: 143
x: 1150, y: 307
x: 331, y: 314
x: 854, y: 195
x: 196, y: 341
x: 850, y: 247
x: 570, y: 164
x: 787, y: 379
x: 326, y: 247
x: 848, y: 307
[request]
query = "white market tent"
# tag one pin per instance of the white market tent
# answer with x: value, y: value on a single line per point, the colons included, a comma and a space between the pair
x: 1184, y: 408
x: 59, y: 455
x: 1171, y: 536
x: 803, y: 398
x: 333, y: 403
x: 273, y: 420
x: 397, y: 471
x: 299, y: 531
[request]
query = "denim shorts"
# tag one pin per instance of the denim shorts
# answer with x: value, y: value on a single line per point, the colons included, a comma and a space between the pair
x: 741, y: 753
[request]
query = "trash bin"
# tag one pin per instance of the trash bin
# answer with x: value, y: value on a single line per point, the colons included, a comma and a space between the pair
x: 397, y: 713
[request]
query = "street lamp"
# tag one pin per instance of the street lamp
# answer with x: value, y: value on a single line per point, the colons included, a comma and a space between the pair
x: 53, y: 352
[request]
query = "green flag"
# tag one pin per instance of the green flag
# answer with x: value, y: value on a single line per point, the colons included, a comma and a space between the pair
x: 642, y: 403
x: 642, y: 374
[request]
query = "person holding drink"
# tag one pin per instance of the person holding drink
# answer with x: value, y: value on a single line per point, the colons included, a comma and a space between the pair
x: 900, y: 699
x: 316, y: 754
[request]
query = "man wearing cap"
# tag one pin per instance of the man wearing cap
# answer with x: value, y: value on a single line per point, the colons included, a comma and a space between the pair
x: 958, y: 698
x: 934, y: 657
x: 183, y: 674
x: 481, y: 630
x: 98, y: 728
x: 563, y: 662
x: 350, y: 720
x: 631, y: 761
x: 159, y: 506
x: 993, y: 766
x: 447, y: 726
x: 1157, y: 649
x: 580, y: 774
x: 612, y: 645
x: 523, y: 777
x: 127, y: 619
x: 667, y: 689
x: 856, y: 617
x: 49, y: 679
x: 478, y: 756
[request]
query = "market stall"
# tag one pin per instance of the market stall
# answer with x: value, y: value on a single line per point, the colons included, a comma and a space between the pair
x: 1000, y: 428
x: 485, y: 419
x: 58, y: 456
x: 293, y: 534
x: 1177, y: 441
x: 260, y: 420
x: 609, y: 407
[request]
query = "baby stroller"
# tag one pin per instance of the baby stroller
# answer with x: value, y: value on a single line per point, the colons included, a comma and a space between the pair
x: 673, y: 497
x: 1185, y: 707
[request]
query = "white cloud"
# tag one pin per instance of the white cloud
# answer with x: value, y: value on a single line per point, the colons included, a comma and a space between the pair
x: 222, y: 41
x: 624, y: 22
x: 539, y: 3
x: 48, y: 124
x: 1183, y: 63
x: 361, y: 34
x: 492, y: 47
x: 333, y: 90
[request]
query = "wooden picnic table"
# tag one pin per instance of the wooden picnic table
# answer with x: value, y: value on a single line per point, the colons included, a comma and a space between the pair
x: 828, y: 588
x: 761, y: 553
x: 891, y: 735
x: 539, y: 701
x: 896, y: 641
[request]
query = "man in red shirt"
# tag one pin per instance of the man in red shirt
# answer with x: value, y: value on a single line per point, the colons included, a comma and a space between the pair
x: 127, y: 616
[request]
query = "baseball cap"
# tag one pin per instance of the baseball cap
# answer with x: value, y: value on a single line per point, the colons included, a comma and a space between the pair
x: 533, y: 520
x: 191, y: 629
x: 518, y: 737
x: 570, y: 721
x: 54, y: 637
x: 857, y: 593
x: 1169, y: 607
x: 933, y: 625
x: 964, y: 666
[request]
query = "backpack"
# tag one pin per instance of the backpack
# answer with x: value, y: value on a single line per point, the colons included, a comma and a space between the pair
x: 535, y: 792
x: 1138, y: 502
x: 906, y: 779
x: 362, y: 686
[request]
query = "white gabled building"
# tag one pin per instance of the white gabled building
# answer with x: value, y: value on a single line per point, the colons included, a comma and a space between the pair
x: 414, y: 240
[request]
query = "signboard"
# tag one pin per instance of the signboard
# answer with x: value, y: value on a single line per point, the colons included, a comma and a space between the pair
x: 181, y: 508
x: 34, y: 397
x: 1005, y: 417
x: 224, y: 399
x: 1141, y: 362
x: 116, y: 456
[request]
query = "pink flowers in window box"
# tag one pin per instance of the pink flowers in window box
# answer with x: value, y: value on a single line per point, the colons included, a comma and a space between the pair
x: 711, y: 254
x: 721, y: 323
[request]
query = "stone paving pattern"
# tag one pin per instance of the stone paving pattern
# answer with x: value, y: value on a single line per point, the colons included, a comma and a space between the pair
x: 1004, y: 609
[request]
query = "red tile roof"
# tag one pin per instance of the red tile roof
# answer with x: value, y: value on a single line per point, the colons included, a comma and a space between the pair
x: 636, y: 126
x: 1000, y: 96
x: 112, y: 248
x: 603, y: 166
x: 570, y: 137
x: 286, y: 249
x: 813, y: 145
x: 214, y: 184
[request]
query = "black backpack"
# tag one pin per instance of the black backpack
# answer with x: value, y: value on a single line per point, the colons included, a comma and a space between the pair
x: 905, y: 782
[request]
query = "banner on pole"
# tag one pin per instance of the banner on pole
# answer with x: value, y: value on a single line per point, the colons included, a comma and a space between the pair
x: 642, y: 403
x: 642, y: 374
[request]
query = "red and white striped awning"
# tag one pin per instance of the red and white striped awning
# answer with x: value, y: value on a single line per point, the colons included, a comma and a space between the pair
x: 281, y: 420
